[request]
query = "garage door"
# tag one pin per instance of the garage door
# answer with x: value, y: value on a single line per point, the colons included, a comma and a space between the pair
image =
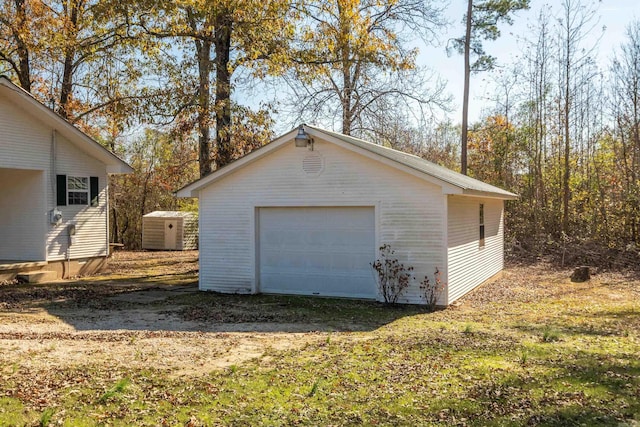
x: 317, y: 251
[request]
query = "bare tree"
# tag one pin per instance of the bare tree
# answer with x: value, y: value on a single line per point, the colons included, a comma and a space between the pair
x: 481, y: 23
x: 576, y: 22
x: 352, y: 55
x: 626, y: 111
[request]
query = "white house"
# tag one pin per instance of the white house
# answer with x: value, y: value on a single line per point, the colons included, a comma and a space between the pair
x: 53, y: 190
x: 306, y: 214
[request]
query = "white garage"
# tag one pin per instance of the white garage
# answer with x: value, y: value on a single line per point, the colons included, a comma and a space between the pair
x: 317, y: 251
x: 307, y: 213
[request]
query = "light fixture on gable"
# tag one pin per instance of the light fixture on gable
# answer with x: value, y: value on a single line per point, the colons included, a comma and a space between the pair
x: 303, y: 139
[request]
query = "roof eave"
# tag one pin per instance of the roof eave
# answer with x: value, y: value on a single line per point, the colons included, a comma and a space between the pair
x: 185, y: 192
x: 490, y: 195
x: 117, y: 169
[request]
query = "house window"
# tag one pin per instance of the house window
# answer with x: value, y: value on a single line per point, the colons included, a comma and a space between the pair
x: 481, y: 239
x: 78, y: 190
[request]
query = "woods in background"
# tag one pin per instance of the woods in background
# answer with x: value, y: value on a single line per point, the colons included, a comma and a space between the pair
x: 565, y: 136
x: 170, y: 86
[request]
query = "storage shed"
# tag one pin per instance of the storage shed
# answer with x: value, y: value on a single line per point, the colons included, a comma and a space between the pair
x: 170, y: 230
x: 307, y: 213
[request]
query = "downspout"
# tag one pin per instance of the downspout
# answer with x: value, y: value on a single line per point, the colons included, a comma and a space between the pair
x: 54, y: 186
x: 53, y: 167
x: 54, y: 192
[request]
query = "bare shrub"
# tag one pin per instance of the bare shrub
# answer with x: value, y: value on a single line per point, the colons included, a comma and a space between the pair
x: 392, y: 276
x: 431, y: 291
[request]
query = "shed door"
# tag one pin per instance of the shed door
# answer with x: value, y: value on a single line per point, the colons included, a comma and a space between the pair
x: 170, y: 233
x: 317, y: 251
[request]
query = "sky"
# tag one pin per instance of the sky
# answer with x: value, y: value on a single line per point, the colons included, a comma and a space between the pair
x: 614, y: 16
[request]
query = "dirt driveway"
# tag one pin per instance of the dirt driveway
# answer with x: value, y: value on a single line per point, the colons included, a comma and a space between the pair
x: 145, y: 310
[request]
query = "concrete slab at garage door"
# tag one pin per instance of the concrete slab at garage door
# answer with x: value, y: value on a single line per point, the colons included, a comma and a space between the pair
x: 317, y: 251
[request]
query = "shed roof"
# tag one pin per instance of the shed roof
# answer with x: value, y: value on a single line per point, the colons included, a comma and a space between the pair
x: 81, y: 140
x: 168, y: 214
x: 462, y: 184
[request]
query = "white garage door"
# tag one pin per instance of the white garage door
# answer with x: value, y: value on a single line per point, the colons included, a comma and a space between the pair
x: 317, y: 251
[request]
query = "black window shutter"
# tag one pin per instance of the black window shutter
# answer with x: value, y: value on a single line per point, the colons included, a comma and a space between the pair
x: 61, y: 190
x: 93, y: 190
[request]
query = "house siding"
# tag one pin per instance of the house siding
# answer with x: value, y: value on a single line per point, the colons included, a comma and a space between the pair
x: 469, y: 263
x: 91, y: 221
x: 408, y: 211
x: 24, y: 192
x: 24, y: 143
x: 27, y: 144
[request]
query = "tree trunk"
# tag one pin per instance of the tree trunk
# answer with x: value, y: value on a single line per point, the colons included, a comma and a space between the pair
x: 66, y: 89
x: 567, y: 146
x: 114, y: 225
x: 67, y: 83
x: 24, y: 67
x: 224, y: 150
x: 347, y: 94
x: 203, y: 58
x: 204, y: 105
x: 465, y: 100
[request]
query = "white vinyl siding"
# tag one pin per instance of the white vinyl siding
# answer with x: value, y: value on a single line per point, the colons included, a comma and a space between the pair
x: 409, y: 211
x: 22, y: 226
x: 27, y: 144
x: 24, y: 143
x: 470, y: 264
x: 91, y: 221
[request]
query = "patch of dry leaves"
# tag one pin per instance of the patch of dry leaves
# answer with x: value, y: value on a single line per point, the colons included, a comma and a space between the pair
x: 135, y: 263
x: 42, y: 350
x: 67, y: 325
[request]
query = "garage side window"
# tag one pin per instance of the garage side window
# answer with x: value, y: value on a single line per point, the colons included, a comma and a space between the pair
x: 77, y: 190
x: 481, y: 239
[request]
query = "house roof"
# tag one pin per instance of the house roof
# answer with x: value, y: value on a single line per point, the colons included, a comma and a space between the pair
x: 455, y: 183
x: 47, y: 116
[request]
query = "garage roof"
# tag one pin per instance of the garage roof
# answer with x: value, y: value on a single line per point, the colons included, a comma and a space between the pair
x: 463, y: 184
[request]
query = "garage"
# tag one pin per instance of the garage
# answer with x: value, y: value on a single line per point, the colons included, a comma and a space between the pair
x: 323, y: 251
x: 306, y: 214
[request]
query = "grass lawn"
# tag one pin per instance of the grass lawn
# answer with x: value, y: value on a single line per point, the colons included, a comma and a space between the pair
x: 530, y: 349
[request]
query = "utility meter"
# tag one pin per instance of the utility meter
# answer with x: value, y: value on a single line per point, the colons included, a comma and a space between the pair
x: 71, y: 229
x: 55, y: 216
